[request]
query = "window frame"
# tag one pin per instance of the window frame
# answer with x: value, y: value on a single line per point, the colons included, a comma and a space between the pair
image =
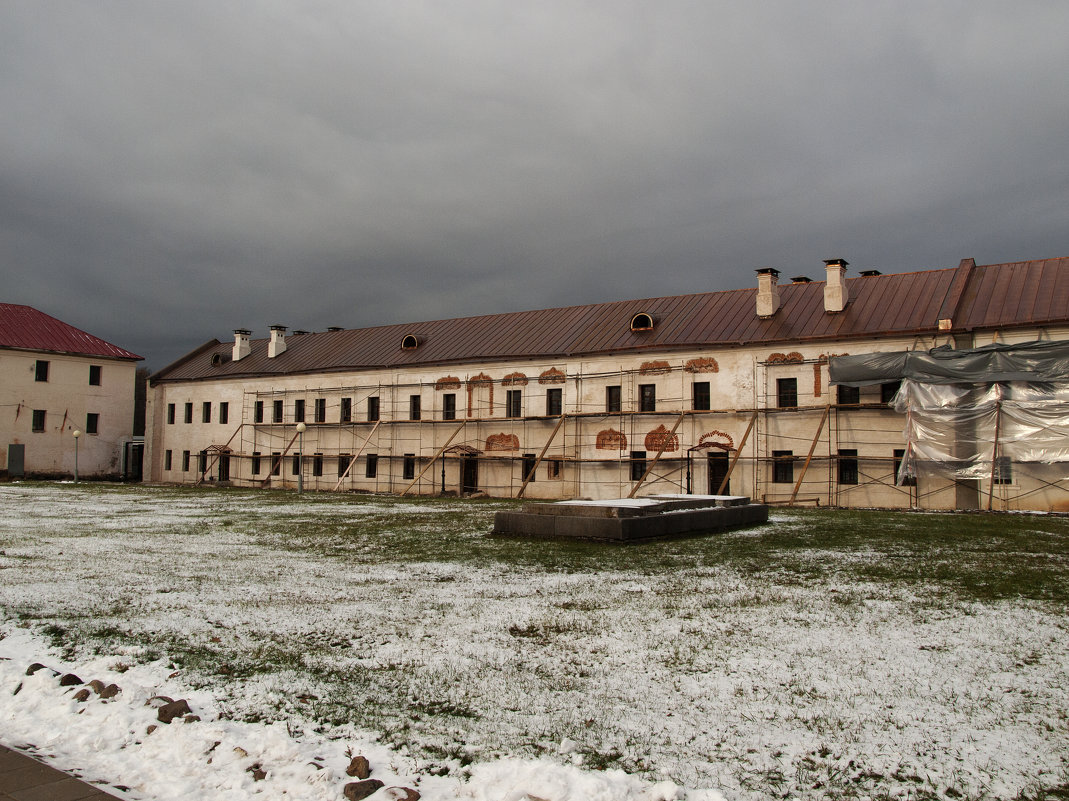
x: 168, y: 459
x: 96, y: 372
x: 319, y: 410
x: 298, y: 410
x: 513, y: 403
x: 256, y: 463
x: 449, y: 406
x: 278, y: 412
x: 647, y: 397
x: 638, y: 465
x: 224, y: 412
x: 846, y: 395
x: 206, y: 412
x: 415, y: 407
x: 701, y: 396
x: 41, y: 370
x: 613, y: 399
x: 554, y: 402
x: 188, y: 413
x: 373, y: 409
x: 371, y: 465
x: 185, y: 461
x: 899, y: 454
x: 258, y: 412
x: 408, y: 467
x: 92, y: 422
x: 848, y: 472
x: 345, y: 411
x: 782, y: 467
x: 787, y: 393
x: 170, y: 414
x: 38, y: 421
x: 527, y: 467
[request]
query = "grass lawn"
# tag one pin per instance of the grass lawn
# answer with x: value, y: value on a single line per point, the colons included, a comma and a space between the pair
x: 828, y: 654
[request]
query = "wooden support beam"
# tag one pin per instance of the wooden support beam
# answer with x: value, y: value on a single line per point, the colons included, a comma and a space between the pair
x: 352, y: 461
x: 738, y: 453
x: 528, y: 478
x: 809, y: 458
x: 278, y: 462
x: 434, y: 458
x: 664, y: 443
x: 210, y: 465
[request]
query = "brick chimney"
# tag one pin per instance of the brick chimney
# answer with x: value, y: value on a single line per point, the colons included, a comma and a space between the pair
x: 277, y: 345
x: 836, y: 295
x: 242, y: 348
x: 767, y: 291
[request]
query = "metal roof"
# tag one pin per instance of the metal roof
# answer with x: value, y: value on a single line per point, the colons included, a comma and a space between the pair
x: 26, y: 328
x: 998, y: 295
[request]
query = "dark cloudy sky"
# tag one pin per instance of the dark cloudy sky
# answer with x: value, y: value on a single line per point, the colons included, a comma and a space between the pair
x: 172, y: 170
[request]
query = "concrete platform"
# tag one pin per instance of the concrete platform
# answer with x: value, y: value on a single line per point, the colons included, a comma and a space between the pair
x: 632, y: 519
x: 23, y: 778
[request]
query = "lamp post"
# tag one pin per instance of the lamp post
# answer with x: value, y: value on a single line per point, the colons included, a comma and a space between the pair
x: 77, y: 435
x: 301, y: 428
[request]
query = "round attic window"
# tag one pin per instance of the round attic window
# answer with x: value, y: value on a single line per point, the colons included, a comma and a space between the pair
x: 410, y: 342
x: 642, y: 322
x: 217, y: 359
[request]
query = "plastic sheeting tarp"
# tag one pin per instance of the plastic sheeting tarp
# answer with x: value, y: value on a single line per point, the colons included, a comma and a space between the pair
x: 968, y: 412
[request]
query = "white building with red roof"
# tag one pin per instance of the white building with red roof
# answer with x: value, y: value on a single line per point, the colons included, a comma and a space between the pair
x: 56, y: 380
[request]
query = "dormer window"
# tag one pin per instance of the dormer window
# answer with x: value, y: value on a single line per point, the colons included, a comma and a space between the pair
x: 410, y: 342
x: 642, y: 322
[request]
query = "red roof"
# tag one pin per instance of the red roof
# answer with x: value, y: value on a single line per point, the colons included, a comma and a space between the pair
x: 26, y: 328
x: 999, y: 295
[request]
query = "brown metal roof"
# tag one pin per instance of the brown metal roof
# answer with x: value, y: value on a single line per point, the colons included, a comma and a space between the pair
x: 26, y: 328
x: 1025, y: 293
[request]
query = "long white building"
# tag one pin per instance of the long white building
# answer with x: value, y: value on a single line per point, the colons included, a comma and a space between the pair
x: 718, y: 391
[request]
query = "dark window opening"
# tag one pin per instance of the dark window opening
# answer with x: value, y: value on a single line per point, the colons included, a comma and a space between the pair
x: 373, y: 409
x: 848, y: 396
x: 449, y: 406
x: 92, y: 423
x: 647, y: 397
x: 410, y: 342
x: 167, y: 460
x: 554, y: 402
x: 321, y: 410
x: 38, y: 422
x: 202, y: 462
x: 371, y: 465
x: 513, y: 403
x: 888, y: 391
x: 298, y: 410
x: 276, y: 408
x: 1003, y: 470
x: 848, y: 466
x: 787, y: 393
x: 638, y: 465
x: 224, y: 412
x: 94, y: 375
x: 409, y: 467
x: 276, y: 463
x: 907, y: 481
x: 528, y: 466
x: 701, y: 395
x: 206, y: 412
x: 346, y: 414
x: 295, y: 464
x: 642, y: 322
x: 344, y: 460
x: 612, y: 399
x: 414, y: 409
x: 170, y: 413
x: 783, y: 467
x: 40, y: 371
x: 258, y: 412
x: 256, y: 463
x: 185, y: 461
x: 317, y: 465
x: 553, y: 468
x: 189, y: 413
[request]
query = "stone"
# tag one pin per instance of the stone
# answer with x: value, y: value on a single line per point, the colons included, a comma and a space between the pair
x: 151, y: 728
x: 400, y: 794
x: 69, y: 680
x: 38, y: 666
x: 96, y: 685
x: 159, y: 700
x: 359, y: 767
x: 258, y: 773
x: 110, y: 691
x: 191, y: 719
x: 168, y: 712
x: 82, y: 695
x: 357, y: 791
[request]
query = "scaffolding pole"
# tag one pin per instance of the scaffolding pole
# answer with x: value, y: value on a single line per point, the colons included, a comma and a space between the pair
x: 809, y: 458
x: 352, y: 461
x: 527, y: 479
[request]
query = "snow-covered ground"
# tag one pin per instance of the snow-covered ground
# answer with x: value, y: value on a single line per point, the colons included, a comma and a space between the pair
x: 305, y: 630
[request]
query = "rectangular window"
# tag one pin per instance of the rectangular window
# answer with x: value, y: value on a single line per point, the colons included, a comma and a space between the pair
x: 373, y: 409
x: 647, y: 394
x: 907, y: 481
x: 888, y: 391
x: 554, y: 401
x: 189, y: 413
x: 783, y: 467
x: 1003, y: 470
x: 298, y: 410
x: 94, y: 375
x: 638, y: 465
x: 276, y: 463
x: 413, y: 407
x: 528, y: 466
x: 206, y: 412
x: 553, y: 468
x: 847, y: 396
x: 344, y: 460
x: 787, y: 393
x: 848, y: 466
x: 170, y: 414
x: 701, y: 395
x: 92, y: 423
x: 258, y: 412
x: 409, y: 467
x: 256, y: 463
x: 513, y: 403
x: 321, y: 410
x: 185, y: 461
x: 612, y: 399
x: 371, y: 465
x: 317, y: 465
x: 346, y: 414
x: 167, y: 460
x: 38, y: 422
x: 295, y: 464
x: 449, y: 406
x: 224, y: 413
x: 276, y: 409
x: 40, y: 371
x: 202, y: 462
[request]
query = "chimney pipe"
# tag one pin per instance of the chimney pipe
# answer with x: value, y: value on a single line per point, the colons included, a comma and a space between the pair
x: 242, y: 348
x: 767, y: 291
x: 277, y: 345
x: 836, y: 294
